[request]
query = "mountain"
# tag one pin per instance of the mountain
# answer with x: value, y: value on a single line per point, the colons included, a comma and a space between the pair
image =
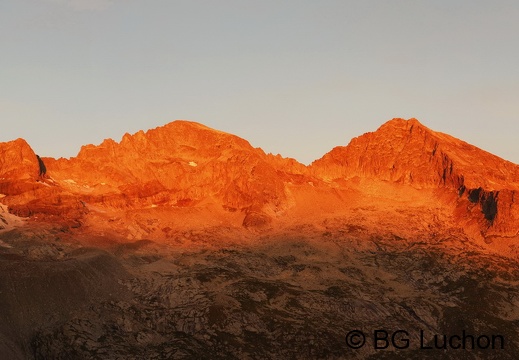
x: 407, y: 152
x: 186, y: 242
x: 178, y: 165
x: 188, y: 165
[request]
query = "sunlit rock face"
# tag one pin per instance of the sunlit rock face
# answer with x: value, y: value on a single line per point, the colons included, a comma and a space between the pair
x: 186, y: 242
x: 18, y: 168
x: 181, y: 164
x: 407, y: 152
x: 188, y: 165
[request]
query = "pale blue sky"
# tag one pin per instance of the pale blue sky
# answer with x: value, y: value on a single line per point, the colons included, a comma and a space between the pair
x: 293, y: 77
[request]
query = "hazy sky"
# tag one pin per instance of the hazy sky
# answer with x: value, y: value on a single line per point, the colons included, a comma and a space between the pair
x: 294, y: 77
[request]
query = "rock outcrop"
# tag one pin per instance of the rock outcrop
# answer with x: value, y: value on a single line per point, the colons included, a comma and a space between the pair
x: 17, y: 161
x: 18, y: 167
x: 186, y: 242
x: 407, y: 152
x: 188, y: 165
x: 180, y: 164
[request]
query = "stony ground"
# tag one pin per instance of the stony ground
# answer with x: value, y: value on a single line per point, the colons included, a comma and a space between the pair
x: 279, y: 297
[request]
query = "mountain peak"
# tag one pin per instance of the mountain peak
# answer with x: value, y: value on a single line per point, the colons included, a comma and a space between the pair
x: 17, y: 159
x: 183, y: 164
x: 399, y: 123
x: 173, y: 136
x: 406, y: 151
x: 398, y: 128
x: 191, y: 124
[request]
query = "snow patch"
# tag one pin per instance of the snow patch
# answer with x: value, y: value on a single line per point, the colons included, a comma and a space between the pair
x: 192, y: 163
x: 70, y: 181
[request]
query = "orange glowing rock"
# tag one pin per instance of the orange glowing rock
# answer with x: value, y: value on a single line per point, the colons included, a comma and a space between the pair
x: 185, y: 175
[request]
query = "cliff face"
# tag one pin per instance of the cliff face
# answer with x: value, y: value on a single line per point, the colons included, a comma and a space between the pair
x: 180, y: 164
x: 407, y: 152
x: 184, y: 241
x: 18, y: 176
x: 18, y: 164
x: 185, y: 165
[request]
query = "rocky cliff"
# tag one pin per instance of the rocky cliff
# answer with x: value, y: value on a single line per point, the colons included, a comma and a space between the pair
x: 407, y: 152
x: 186, y: 165
x: 186, y: 242
x: 180, y: 164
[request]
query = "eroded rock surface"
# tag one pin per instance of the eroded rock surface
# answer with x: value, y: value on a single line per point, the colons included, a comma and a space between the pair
x: 184, y: 242
x: 292, y: 298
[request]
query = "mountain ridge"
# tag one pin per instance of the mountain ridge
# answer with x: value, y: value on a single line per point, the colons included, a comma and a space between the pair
x: 433, y: 143
x: 184, y: 242
x: 187, y: 165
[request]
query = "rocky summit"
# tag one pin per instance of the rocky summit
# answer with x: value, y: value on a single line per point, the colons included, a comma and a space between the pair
x: 185, y: 242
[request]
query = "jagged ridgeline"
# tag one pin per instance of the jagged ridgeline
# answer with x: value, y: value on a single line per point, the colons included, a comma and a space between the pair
x: 186, y: 165
x: 184, y: 242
